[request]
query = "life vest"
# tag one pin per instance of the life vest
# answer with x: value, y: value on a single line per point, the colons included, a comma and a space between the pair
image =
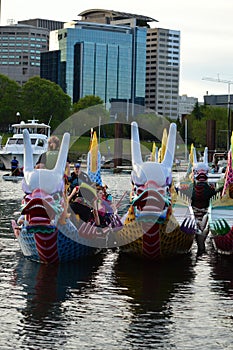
x: 51, y: 159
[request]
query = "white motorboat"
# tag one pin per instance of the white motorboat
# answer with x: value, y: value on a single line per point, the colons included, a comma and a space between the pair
x: 39, y: 134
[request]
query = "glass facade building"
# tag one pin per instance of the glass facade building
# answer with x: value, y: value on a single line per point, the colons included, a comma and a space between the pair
x: 108, y: 61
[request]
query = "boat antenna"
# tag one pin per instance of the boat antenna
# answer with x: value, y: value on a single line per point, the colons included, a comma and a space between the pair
x: 50, y: 119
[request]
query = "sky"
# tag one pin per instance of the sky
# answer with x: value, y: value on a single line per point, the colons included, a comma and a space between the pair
x: 206, y: 29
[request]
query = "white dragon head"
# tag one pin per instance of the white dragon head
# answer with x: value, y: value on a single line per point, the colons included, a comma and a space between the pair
x: 47, y: 180
x: 152, y: 180
x: 43, y: 202
x: 200, y: 169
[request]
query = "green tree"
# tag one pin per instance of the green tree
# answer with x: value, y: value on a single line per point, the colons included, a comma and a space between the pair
x: 9, y: 101
x: 43, y: 99
x: 85, y: 102
x: 198, y: 111
x: 197, y: 127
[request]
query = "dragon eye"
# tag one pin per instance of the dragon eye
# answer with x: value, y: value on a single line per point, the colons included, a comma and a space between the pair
x: 27, y: 199
x: 139, y: 191
x: 56, y: 196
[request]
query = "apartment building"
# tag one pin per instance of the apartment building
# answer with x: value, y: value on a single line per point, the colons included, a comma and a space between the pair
x: 21, y: 45
x: 162, y: 71
x: 20, y: 49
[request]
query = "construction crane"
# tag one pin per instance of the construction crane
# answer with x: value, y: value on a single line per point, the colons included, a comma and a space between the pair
x: 229, y: 83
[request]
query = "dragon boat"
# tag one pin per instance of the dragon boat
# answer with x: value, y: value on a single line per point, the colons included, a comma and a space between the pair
x: 196, y: 186
x: 220, y: 213
x: 159, y: 223
x: 47, y: 234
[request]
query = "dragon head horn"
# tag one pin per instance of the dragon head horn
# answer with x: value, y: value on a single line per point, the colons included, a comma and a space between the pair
x: 47, y: 179
x: 135, y: 145
x: 194, y: 155
x: 170, y: 149
x: 205, y: 157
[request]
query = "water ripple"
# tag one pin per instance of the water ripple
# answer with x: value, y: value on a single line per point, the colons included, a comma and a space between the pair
x: 111, y: 302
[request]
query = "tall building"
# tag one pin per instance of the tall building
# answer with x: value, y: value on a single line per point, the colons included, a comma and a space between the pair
x: 43, y: 23
x: 162, y: 71
x: 21, y: 45
x: 162, y: 59
x: 106, y: 60
x: 20, y: 49
x: 112, y: 54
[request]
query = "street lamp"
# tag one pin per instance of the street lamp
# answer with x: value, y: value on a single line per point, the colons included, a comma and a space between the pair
x: 18, y: 117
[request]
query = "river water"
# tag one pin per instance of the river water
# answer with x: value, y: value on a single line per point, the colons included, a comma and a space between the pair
x: 111, y: 302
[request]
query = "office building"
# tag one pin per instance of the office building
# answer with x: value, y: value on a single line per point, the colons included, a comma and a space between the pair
x: 162, y: 71
x: 106, y: 60
x: 43, y: 23
x: 162, y: 59
x: 21, y: 45
x: 112, y: 54
x: 20, y: 49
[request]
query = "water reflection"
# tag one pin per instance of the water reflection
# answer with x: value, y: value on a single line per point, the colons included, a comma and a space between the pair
x: 111, y: 302
x: 11, y: 195
x: 150, y: 285
x: 222, y: 274
x: 151, y: 288
x: 46, y: 289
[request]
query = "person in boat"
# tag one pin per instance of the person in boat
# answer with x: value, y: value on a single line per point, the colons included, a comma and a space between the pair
x: 107, y: 196
x: 77, y: 177
x: 48, y: 159
x: 214, y: 168
x: 80, y: 207
x: 15, y: 167
x: 103, y: 208
x: 81, y: 193
x: 212, y: 171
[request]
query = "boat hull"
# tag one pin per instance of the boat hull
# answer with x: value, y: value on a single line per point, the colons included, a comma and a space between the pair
x: 12, y: 178
x: 221, y: 229
x: 48, y: 244
x: 223, y: 244
x: 155, y: 242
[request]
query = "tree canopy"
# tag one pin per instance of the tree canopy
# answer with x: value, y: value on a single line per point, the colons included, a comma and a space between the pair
x: 87, y: 101
x: 197, y: 125
x: 37, y: 98
x: 9, y: 101
x: 43, y: 99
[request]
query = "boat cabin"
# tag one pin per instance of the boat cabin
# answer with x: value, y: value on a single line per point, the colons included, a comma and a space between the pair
x: 39, y: 134
x: 33, y: 128
x: 18, y: 141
